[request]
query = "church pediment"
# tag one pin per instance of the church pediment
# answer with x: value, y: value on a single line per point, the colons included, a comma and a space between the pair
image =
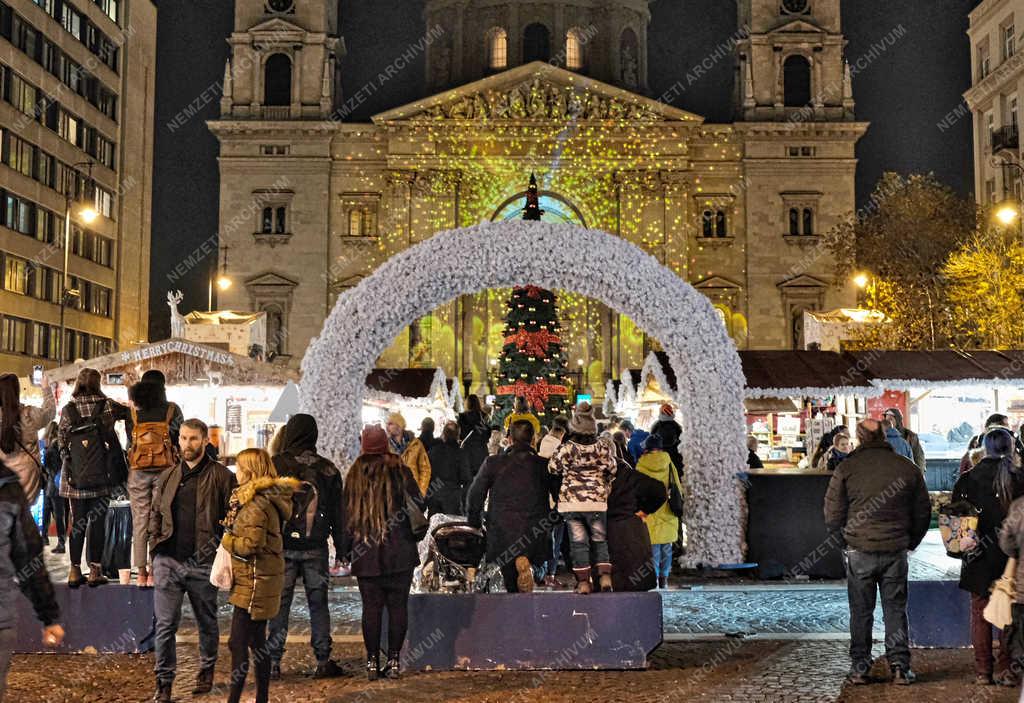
x: 277, y: 31
x: 803, y: 281
x: 537, y: 91
x: 716, y: 282
x: 271, y: 279
x: 799, y: 26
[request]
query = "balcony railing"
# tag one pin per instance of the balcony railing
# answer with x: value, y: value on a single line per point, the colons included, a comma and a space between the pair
x: 1006, y: 138
x: 277, y: 112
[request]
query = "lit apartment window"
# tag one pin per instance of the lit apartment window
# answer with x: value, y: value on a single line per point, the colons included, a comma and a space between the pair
x: 15, y: 335
x: 984, y: 61
x: 1009, y: 41
x: 15, y: 275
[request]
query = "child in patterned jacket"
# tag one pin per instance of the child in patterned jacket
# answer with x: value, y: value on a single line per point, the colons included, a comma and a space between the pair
x: 587, y: 466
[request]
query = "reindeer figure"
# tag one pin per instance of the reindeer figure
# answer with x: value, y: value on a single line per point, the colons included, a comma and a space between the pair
x: 177, y: 321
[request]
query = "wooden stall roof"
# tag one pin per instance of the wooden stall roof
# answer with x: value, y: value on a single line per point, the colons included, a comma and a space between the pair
x: 182, y: 362
x: 898, y: 369
x: 778, y: 373
x: 409, y: 383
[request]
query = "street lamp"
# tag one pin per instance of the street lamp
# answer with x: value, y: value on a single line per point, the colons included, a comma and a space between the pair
x: 1007, y: 213
x: 88, y: 214
x: 223, y: 281
x: 861, y: 280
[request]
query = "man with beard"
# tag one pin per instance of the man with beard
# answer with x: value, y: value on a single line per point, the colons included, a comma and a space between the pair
x: 189, y: 504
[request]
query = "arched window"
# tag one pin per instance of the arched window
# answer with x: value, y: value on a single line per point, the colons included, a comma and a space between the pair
x: 267, y: 221
x: 796, y: 75
x: 281, y: 224
x: 629, y: 58
x: 497, y: 49
x: 536, y: 43
x: 709, y: 223
x: 275, y: 330
x: 720, y: 228
x: 808, y: 221
x: 277, y: 80
x: 794, y: 221
x: 573, y: 50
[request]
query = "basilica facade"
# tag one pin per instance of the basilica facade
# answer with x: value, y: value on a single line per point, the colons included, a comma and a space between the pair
x: 312, y: 202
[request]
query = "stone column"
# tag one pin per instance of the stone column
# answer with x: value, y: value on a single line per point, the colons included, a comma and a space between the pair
x: 398, y: 202
x: 296, y: 106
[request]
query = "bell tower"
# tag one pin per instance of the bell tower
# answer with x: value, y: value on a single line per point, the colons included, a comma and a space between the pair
x: 791, y: 64
x: 284, y: 61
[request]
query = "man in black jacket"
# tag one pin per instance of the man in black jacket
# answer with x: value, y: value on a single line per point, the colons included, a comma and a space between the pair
x: 519, y: 518
x: 189, y: 503
x: 319, y: 515
x: 21, y: 561
x: 879, y: 501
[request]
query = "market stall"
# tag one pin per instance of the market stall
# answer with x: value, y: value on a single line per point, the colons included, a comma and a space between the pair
x: 233, y: 393
x: 415, y: 393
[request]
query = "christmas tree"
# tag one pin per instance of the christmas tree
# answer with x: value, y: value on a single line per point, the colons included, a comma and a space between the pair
x: 532, y: 364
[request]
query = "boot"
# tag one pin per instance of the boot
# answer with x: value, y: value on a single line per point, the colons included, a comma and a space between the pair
x: 663, y: 582
x: 524, y: 575
x: 204, y: 682
x: 605, y: 577
x: 583, y: 586
x: 372, y: 668
x: 96, y: 577
x: 163, y: 693
x: 391, y: 667
x: 59, y: 549
x: 328, y: 670
x: 75, y: 576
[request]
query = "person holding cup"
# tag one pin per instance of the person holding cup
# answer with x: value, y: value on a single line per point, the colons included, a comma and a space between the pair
x: 21, y: 554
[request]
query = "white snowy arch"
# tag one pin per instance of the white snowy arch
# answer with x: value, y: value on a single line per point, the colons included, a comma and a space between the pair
x: 411, y: 284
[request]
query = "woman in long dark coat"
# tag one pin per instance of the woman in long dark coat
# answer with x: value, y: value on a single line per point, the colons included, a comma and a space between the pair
x: 449, y: 473
x: 474, y: 434
x: 990, y: 486
x: 629, y: 541
x: 518, y: 516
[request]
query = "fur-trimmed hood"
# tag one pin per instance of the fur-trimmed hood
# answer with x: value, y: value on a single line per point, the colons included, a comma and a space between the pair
x: 276, y: 489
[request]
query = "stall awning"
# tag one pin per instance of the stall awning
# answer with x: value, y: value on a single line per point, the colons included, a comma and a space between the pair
x: 420, y: 386
x: 794, y: 373
x: 183, y: 363
x: 900, y: 370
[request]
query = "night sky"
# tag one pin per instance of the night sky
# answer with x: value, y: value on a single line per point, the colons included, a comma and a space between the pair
x: 905, y: 93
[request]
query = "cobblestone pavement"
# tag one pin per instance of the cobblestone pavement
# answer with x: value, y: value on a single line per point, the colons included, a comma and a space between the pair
x: 724, y: 670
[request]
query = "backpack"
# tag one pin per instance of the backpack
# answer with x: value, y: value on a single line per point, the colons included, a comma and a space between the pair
x: 151, y: 448
x: 97, y: 460
x: 305, y: 508
x: 958, y: 527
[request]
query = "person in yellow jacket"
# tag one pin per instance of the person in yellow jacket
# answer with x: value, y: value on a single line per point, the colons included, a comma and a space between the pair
x: 406, y: 445
x: 521, y: 411
x: 663, y: 524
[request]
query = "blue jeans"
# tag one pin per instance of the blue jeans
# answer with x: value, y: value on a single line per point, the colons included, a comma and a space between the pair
x: 172, y: 581
x: 312, y: 568
x: 866, y: 574
x: 589, y: 538
x: 557, y: 535
x: 662, y: 560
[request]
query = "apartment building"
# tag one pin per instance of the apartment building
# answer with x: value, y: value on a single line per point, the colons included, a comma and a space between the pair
x: 77, y: 84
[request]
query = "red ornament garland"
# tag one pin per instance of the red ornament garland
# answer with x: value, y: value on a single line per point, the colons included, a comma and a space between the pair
x: 536, y: 394
x: 533, y: 343
x: 532, y: 291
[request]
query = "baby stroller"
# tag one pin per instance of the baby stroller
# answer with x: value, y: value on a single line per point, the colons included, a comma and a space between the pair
x: 454, y: 556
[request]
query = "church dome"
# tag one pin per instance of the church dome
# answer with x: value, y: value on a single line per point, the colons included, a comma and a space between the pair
x: 603, y: 39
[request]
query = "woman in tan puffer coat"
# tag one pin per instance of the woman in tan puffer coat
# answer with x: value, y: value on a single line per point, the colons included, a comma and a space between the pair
x: 260, y: 504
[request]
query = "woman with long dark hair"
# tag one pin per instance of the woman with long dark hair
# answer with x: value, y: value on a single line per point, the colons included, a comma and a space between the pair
x: 88, y: 505
x: 53, y: 505
x: 19, y: 433
x: 382, y: 544
x: 990, y: 486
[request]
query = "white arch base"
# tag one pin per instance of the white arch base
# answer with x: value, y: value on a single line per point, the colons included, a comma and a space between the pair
x: 414, y: 282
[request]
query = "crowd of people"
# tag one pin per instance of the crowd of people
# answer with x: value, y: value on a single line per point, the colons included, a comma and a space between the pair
x: 605, y: 497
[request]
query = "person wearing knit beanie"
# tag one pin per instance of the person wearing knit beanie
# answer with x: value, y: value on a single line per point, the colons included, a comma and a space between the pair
x: 583, y: 421
x: 374, y: 440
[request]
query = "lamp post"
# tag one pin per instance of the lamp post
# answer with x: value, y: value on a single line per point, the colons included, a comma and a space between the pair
x: 1008, y: 212
x: 222, y: 281
x: 88, y: 214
